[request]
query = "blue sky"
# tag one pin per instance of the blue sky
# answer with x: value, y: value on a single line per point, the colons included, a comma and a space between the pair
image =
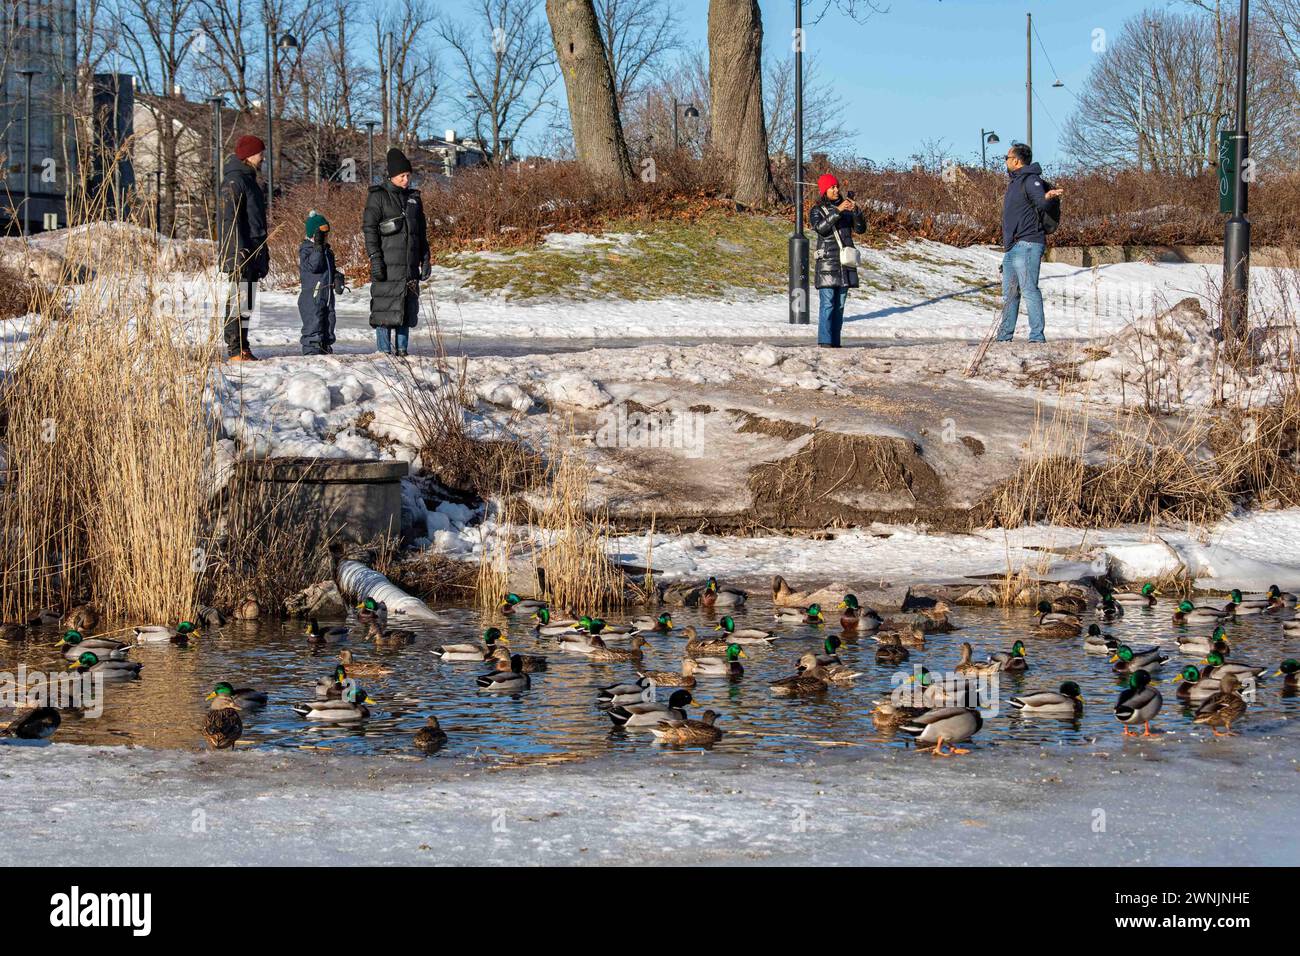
x: 942, y: 69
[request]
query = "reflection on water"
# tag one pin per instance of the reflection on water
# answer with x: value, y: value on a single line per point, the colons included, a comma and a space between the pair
x: 558, y: 716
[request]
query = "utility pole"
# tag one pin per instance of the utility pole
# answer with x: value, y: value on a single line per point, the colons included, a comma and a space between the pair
x: 1236, y: 232
x: 1029, y: 81
x: 798, y: 280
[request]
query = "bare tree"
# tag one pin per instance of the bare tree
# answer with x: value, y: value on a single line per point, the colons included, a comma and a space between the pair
x: 223, y: 46
x: 824, y: 112
x: 593, y: 107
x: 508, y: 66
x: 648, y: 116
x: 736, y: 92
x: 638, y: 36
x: 407, y: 68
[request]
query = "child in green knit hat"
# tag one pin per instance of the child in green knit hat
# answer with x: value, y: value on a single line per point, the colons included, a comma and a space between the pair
x: 321, y: 281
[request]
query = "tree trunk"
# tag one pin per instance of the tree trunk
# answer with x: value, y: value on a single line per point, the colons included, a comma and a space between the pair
x: 736, y: 93
x: 593, y: 111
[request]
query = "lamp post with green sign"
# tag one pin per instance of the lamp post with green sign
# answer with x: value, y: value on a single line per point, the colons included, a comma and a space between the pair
x: 1234, y: 168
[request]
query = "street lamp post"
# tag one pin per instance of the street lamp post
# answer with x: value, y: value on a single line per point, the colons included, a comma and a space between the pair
x: 27, y: 148
x: 287, y: 41
x: 690, y: 112
x: 370, y: 151
x: 798, y: 279
x: 217, y: 139
x: 987, y: 138
x: 1236, y: 232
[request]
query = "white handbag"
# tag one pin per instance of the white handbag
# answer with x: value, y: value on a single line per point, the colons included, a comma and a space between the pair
x: 850, y: 258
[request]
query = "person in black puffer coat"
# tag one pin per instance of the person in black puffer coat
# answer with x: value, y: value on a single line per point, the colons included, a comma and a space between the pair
x: 243, y: 253
x: 834, y: 220
x: 397, y: 244
x: 321, y: 282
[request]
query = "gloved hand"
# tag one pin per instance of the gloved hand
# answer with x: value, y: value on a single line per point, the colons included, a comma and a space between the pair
x: 340, y: 283
x: 426, y: 270
x: 377, y: 271
x: 319, y: 238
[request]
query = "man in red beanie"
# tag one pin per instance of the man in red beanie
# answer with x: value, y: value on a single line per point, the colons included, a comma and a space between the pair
x: 242, y: 250
x: 836, y: 269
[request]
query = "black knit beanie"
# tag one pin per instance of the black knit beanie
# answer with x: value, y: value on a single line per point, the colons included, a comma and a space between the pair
x: 397, y: 163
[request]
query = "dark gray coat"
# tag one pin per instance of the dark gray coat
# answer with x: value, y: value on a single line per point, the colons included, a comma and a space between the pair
x: 398, y: 257
x: 826, y: 221
x: 243, y: 250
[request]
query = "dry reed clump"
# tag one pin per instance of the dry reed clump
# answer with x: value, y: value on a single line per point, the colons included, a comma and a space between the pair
x: 17, y: 291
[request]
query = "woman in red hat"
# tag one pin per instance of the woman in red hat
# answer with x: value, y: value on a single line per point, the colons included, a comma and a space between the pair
x: 244, y: 256
x: 835, y: 220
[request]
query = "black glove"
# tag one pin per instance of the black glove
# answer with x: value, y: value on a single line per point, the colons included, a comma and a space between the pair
x: 319, y: 238
x: 377, y: 271
x: 426, y: 269
x: 340, y: 282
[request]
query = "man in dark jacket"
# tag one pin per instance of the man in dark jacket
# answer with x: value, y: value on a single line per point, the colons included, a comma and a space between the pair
x: 397, y: 244
x: 243, y: 253
x: 1023, y: 242
x: 321, y: 280
x: 834, y: 219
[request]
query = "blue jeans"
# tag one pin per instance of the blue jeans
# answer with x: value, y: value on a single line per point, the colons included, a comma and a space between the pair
x: 830, y: 314
x: 1020, y: 267
x: 382, y: 339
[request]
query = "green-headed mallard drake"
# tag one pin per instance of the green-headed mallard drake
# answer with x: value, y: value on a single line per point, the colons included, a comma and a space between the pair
x: 727, y: 666
x: 640, y: 691
x: 370, y: 610
x: 9, y: 631
x: 1201, y: 643
x: 1189, y: 613
x: 653, y: 625
x: 1144, y: 597
x: 1279, y: 597
x: 1128, y: 659
x: 950, y: 725
x: 968, y: 667
x: 1221, y: 709
x: 223, y: 725
x: 854, y: 617
x: 1243, y: 606
x: 1095, y: 642
x: 1194, y: 685
x: 331, y: 688
x: 350, y: 706
x: 598, y: 626
x: 224, y: 694
x: 743, y: 635
x: 163, y: 634
x: 430, y: 737
x: 1138, y: 703
x: 601, y: 652
x: 695, y: 647
x: 83, y: 618
x: 890, y: 649
x: 1065, y: 702
x: 89, y: 663
x: 73, y: 645
x: 362, y: 668
x: 686, y: 731
x: 1289, y: 670
x: 506, y: 681
x: 1110, y: 609
x: 1056, y: 623
x: 1014, y: 660
x: 35, y: 724
x: 649, y: 713
x: 810, y: 679
x: 830, y: 651
x: 548, y: 626
x: 1216, y: 664
x: 715, y: 596
x: 316, y: 634
x: 812, y: 614
x: 479, y: 651
x: 683, y: 678
x: 515, y: 606
x: 929, y: 693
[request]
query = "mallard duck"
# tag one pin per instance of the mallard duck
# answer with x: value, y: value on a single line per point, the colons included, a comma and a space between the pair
x: 743, y: 635
x: 649, y: 714
x: 10, y: 631
x: 653, y: 625
x: 1014, y: 660
x: 546, y: 626
x: 89, y: 663
x: 1221, y: 709
x: 728, y: 666
x: 224, y: 694
x: 430, y: 737
x: 351, y: 705
x: 331, y: 688
x: 1290, y: 671
x: 83, y: 618
x: 951, y: 692
x: 249, y: 609
x: 600, y: 652
x: 830, y: 647
x: 1138, y: 703
x: 382, y: 636
x: 687, y: 731
x: 812, y: 614
x: 577, y: 642
x: 891, y: 649
x: 162, y: 634
x: 512, y: 604
x: 639, y: 691
x: 479, y: 651
x: 714, y: 596
x: 700, y: 648
x: 370, y: 610
x: 1200, y: 643
x: 35, y: 724
x: 966, y: 666
x: 945, y: 725
x: 1216, y: 664
x: 1194, y: 685
x: 862, y: 620
x: 1127, y: 659
x: 1071, y: 604
x: 840, y: 674
x: 683, y: 678
x: 1110, y: 609
x: 74, y: 645
x: 361, y: 669
x: 532, y: 663
x: 1056, y: 623
x: 45, y: 617
x: 506, y: 681
x: 210, y: 616
x: 598, y: 626
x: 1066, y: 702
x: 1242, y: 606
x: 1279, y: 597
x: 810, y: 679
x: 1188, y: 613
x: 1096, y: 642
x: 315, y: 634
x: 223, y: 725
x: 1145, y: 597
x: 908, y: 635
x: 887, y: 716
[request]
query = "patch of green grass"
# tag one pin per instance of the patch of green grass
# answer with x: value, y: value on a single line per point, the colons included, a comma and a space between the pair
x: 713, y: 256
